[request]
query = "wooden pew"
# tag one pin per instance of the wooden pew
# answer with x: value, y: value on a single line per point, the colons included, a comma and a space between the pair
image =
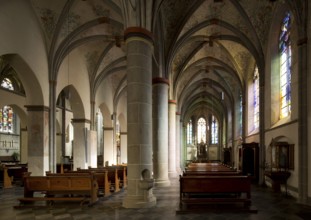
x: 113, y: 176
x: 7, y: 180
x: 60, y: 188
x: 122, y: 174
x: 202, y: 190
x: 209, y: 167
x: 12, y: 173
x: 211, y: 173
x: 101, y: 178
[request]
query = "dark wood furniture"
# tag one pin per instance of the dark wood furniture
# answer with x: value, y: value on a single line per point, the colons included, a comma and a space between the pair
x: 12, y: 173
x: 101, y: 178
x: 250, y: 160
x: 278, y: 178
x: 282, y: 160
x: 81, y: 188
x: 205, y: 185
x: 202, y: 190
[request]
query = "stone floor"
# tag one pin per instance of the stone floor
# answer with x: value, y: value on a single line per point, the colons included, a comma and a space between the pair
x: 270, y: 205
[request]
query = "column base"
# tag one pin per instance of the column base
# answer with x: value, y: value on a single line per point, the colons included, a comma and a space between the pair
x: 172, y: 175
x: 162, y: 183
x: 139, y: 202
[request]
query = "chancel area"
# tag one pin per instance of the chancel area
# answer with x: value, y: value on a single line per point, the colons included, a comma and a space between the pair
x: 135, y: 104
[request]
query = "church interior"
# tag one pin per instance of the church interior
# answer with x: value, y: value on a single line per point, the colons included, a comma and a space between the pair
x: 155, y: 106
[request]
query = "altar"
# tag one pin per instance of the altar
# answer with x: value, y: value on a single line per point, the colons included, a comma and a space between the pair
x: 202, y: 151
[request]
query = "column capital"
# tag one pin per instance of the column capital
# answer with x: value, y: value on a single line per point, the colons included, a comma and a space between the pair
x: 36, y: 108
x: 158, y: 80
x: 80, y: 120
x: 53, y: 82
x: 138, y: 32
x: 108, y: 128
x: 171, y: 101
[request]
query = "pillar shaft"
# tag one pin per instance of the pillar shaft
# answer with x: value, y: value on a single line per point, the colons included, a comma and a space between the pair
x: 38, y: 145
x: 160, y: 131
x: 108, y: 146
x: 178, y: 145
x: 80, y: 144
x: 172, y: 139
x: 139, y: 115
x: 123, y: 137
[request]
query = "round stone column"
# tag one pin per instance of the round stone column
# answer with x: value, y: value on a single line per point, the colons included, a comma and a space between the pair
x: 172, y: 139
x: 178, y: 145
x: 38, y: 137
x: 139, y: 45
x: 160, y: 131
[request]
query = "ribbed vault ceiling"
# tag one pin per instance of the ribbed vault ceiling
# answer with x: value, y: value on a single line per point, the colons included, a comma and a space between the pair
x: 205, y: 48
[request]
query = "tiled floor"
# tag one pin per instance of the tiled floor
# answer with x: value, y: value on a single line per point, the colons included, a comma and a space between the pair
x: 270, y: 205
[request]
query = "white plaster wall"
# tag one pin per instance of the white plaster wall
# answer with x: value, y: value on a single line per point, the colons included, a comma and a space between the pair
x: 104, y: 98
x: 21, y: 34
x: 104, y: 94
x: 8, y: 98
x: 73, y: 72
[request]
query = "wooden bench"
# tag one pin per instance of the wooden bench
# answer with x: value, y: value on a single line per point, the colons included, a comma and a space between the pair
x: 12, y: 173
x: 101, y: 178
x: 203, y: 190
x: 60, y: 188
x: 209, y: 167
x: 116, y: 176
x: 211, y: 173
x: 122, y: 174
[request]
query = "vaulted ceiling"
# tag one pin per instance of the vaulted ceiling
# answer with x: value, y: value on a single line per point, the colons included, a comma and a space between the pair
x: 208, y: 49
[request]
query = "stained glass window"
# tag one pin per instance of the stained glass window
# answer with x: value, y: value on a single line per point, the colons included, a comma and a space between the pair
x: 256, y: 98
x: 201, y: 130
x: 214, y: 132
x: 189, y: 132
x: 7, y: 83
x: 6, y: 119
x: 285, y: 67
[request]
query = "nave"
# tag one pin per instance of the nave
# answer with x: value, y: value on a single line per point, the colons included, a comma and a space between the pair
x: 270, y: 205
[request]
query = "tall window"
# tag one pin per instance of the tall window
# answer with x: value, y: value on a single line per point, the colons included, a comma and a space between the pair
x: 256, y: 98
x: 6, y: 113
x: 7, y: 83
x: 214, y: 131
x: 285, y: 67
x: 6, y: 119
x: 189, y: 132
x: 201, y: 130
x: 241, y: 110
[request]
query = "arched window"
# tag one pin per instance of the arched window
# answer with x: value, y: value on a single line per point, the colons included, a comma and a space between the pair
x: 201, y: 130
x: 214, y: 131
x: 7, y: 83
x: 256, y: 98
x: 189, y: 132
x: 6, y: 119
x: 285, y: 67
